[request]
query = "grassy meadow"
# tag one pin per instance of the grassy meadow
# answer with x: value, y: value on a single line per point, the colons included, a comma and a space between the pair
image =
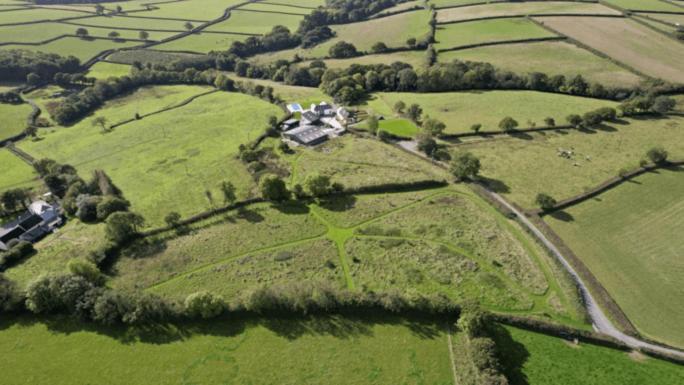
x: 460, y: 110
x: 104, y: 70
x: 415, y: 58
x: 188, y: 149
x: 487, y: 31
x: 630, y: 239
x: 533, y: 358
x: 528, y: 164
x: 258, y: 23
x: 74, y: 46
x: 15, y: 172
x: 625, y: 41
x: 452, y: 3
x: 201, y: 43
x: 38, y: 14
x: 549, y: 57
x: 646, y: 5
x: 522, y: 9
x: 14, y: 119
x: 333, y: 350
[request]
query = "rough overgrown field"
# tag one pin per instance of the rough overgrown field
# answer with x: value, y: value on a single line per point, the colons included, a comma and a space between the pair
x: 533, y: 358
x: 15, y: 172
x: 487, y: 31
x: 630, y: 238
x: 521, y: 166
x: 357, y: 162
x: 375, y: 349
x: 14, y: 119
x: 415, y: 58
x: 201, y: 42
x: 460, y: 110
x: 165, y: 162
x: 551, y: 58
x: 626, y: 41
x: 522, y: 9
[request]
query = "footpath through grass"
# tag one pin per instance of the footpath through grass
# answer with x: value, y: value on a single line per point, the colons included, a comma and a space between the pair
x: 630, y: 238
x: 382, y: 350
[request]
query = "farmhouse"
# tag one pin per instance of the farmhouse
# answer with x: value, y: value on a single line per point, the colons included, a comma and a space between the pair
x: 39, y: 220
x: 317, y: 123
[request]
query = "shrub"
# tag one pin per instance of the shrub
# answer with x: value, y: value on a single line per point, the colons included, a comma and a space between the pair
x: 657, y: 155
x: 545, y: 201
x: 550, y: 122
x: 574, y: 120
x: 274, y: 189
x: 204, y: 305
x: 172, y: 219
x: 317, y: 185
x: 483, y: 354
x: 18, y: 250
x: 476, y: 128
x: 473, y: 321
x: 508, y: 124
x: 56, y: 293
x: 87, y: 270
x: 426, y: 144
x: 123, y: 226
x: 342, y: 50
x: 9, y: 295
x: 379, y: 47
x: 109, y: 205
x: 86, y: 207
x: 663, y: 104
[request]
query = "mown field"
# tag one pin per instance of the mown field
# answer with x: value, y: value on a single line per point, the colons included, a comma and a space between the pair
x: 646, y: 5
x: 533, y: 358
x: 379, y: 350
x: 522, y: 9
x: 487, y: 31
x: 14, y: 119
x: 551, y: 58
x: 250, y: 22
x: 30, y: 33
x: 15, y: 172
x: 460, y: 110
x: 189, y: 149
x: 625, y: 41
x: 528, y: 164
x: 630, y: 239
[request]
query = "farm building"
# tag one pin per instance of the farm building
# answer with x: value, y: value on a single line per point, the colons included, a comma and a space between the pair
x: 39, y: 220
x: 307, y: 135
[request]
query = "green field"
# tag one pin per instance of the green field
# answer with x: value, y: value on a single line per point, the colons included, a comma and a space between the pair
x: 522, y: 9
x: 189, y: 149
x: 529, y: 164
x: 104, y: 70
x: 145, y: 56
x: 646, y: 5
x: 415, y: 58
x: 14, y: 119
x: 36, y: 14
x: 290, y: 94
x: 201, y: 42
x: 551, y: 58
x: 533, y: 358
x: 451, y: 3
x: 257, y: 23
x: 276, y: 8
x: 15, y: 172
x: 460, y: 110
x: 487, y: 31
x: 380, y: 350
x: 391, y: 30
x: 82, y: 49
x: 401, y: 7
x: 194, y: 10
x: 31, y: 33
x: 630, y: 239
x: 131, y: 22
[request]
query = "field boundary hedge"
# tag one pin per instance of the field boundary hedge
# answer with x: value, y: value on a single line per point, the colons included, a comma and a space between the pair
x: 528, y: 16
x: 501, y: 42
x: 287, y: 5
x: 120, y: 28
x: 512, y: 132
x: 44, y: 21
x: 608, y: 185
x: 388, y: 14
x: 265, y: 11
x: 88, y: 38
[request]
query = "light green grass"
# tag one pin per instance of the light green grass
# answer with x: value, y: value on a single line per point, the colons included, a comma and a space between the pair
x: 451, y: 3
x: 332, y: 350
x: 82, y: 49
x: 167, y: 161
x: 256, y: 22
x: 646, y: 5
x: 35, y: 33
x: 399, y: 127
x: 530, y: 165
x: 104, y: 70
x: 14, y: 119
x: 15, y: 172
x: 522, y: 9
x: 551, y: 58
x: 487, y: 31
x: 275, y: 7
x: 74, y: 240
x: 460, y: 110
x: 629, y: 237
x: 290, y: 94
x: 532, y: 358
x: 149, y: 56
x: 123, y: 21
x: 36, y: 14
x: 202, y: 42
x: 626, y: 41
x: 191, y: 10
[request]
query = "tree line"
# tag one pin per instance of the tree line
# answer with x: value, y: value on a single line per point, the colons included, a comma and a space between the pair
x: 16, y: 65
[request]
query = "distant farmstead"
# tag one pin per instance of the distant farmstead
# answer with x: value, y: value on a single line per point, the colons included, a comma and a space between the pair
x: 316, y: 125
x: 39, y: 220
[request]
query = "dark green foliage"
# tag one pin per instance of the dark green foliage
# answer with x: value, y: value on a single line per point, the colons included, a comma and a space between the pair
x: 342, y: 50
x: 87, y: 270
x: 465, y: 165
x: 123, y: 226
x: 274, y: 189
x: 17, y: 252
x: 427, y: 144
x: 56, y: 293
x: 109, y: 205
x: 318, y: 185
x: 379, y: 47
x: 545, y: 201
x: 13, y: 199
x: 433, y: 126
x: 16, y: 65
x: 278, y: 39
x: 86, y: 207
x: 508, y: 124
x: 9, y: 295
x: 657, y: 155
x: 663, y: 104
x: 574, y: 120
x: 204, y: 305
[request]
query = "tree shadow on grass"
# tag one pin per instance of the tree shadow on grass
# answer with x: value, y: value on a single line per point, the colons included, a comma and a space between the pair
x: 251, y: 216
x: 339, y: 203
x: 292, y: 207
x: 520, y: 135
x: 512, y: 354
x: 495, y: 185
x: 562, y: 215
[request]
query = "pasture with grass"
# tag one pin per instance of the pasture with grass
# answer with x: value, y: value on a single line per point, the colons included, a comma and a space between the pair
x: 203, y: 198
